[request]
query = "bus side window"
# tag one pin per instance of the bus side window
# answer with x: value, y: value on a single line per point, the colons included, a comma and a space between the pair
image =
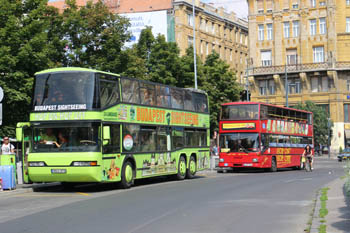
x: 130, y: 91
x: 113, y: 145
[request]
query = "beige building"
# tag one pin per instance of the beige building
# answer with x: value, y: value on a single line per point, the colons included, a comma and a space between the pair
x: 215, y: 29
x: 309, y: 40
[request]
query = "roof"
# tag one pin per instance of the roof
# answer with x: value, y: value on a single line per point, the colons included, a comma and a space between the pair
x: 122, y: 6
x: 238, y: 103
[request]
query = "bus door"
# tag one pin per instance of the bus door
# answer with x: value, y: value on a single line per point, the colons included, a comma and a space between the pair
x: 24, y: 135
x: 111, y: 152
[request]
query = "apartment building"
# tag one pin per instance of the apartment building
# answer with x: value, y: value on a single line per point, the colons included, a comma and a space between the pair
x: 302, y: 47
x: 216, y: 29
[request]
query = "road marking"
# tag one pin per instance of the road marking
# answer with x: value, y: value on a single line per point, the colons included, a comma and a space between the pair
x: 84, y: 194
x: 293, y: 180
x: 45, y: 195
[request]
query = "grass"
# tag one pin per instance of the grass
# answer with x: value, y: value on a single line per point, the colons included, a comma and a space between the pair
x: 322, y: 229
x: 323, y: 198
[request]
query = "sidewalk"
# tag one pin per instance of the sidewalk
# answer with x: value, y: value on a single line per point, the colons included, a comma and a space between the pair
x: 338, y: 204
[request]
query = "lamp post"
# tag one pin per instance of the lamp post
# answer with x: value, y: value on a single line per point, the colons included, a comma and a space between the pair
x: 194, y: 45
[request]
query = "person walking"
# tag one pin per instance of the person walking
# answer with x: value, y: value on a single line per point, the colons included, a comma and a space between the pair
x: 7, y: 147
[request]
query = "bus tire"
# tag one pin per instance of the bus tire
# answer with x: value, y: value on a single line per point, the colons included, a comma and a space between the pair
x: 128, y: 175
x: 192, y: 168
x: 181, y: 168
x: 273, y: 165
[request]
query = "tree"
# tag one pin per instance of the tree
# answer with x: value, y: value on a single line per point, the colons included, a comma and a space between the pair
x: 94, y: 37
x: 320, y: 121
x: 28, y: 44
x: 221, y: 86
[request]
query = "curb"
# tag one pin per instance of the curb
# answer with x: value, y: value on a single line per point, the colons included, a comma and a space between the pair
x: 315, y: 221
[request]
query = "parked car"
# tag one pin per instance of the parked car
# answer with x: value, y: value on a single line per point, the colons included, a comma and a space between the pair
x: 344, y: 155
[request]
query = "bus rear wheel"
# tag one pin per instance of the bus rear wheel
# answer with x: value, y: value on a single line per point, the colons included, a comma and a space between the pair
x: 127, y: 175
x: 191, y: 171
x: 273, y: 165
x: 181, y: 169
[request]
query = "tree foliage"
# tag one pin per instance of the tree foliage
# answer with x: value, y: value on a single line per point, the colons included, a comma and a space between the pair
x: 27, y: 44
x: 320, y: 121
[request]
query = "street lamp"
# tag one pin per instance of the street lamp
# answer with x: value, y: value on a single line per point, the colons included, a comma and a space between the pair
x: 329, y: 136
x: 194, y: 45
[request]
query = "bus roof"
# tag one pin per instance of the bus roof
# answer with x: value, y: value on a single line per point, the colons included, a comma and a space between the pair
x: 73, y: 69
x: 241, y: 103
x: 62, y: 69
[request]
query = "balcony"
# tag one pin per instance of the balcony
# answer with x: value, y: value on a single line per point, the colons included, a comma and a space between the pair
x: 298, y: 68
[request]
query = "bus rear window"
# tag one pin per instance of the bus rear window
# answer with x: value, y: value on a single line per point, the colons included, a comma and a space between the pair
x: 240, y: 112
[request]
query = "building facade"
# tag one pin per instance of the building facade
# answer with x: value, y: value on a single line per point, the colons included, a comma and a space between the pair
x: 216, y: 30
x: 302, y: 47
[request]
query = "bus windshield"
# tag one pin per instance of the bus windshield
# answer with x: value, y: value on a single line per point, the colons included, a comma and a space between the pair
x: 239, y: 142
x: 77, y: 137
x: 64, y: 91
x: 240, y: 112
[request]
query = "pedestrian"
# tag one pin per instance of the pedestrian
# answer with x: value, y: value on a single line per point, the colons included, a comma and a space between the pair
x: 7, y: 147
x: 308, y: 155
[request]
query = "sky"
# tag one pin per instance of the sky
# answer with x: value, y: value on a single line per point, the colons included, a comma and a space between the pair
x: 240, y: 7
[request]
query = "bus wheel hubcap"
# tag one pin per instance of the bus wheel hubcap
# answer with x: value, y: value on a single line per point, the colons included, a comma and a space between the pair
x: 192, y: 166
x: 182, y: 167
x: 128, y: 173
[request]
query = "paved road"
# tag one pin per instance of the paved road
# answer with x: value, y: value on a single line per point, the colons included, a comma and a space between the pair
x: 230, y: 202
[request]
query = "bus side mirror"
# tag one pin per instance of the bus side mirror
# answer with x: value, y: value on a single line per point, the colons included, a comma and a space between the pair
x: 19, y: 133
x: 106, y: 134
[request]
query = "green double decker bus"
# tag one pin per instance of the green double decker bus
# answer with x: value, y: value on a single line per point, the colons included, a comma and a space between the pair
x: 92, y: 126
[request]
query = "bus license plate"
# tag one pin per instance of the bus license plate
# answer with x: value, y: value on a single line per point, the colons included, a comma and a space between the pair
x: 58, y: 171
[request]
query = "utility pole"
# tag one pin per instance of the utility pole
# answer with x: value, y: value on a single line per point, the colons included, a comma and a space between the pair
x: 286, y: 82
x: 194, y: 45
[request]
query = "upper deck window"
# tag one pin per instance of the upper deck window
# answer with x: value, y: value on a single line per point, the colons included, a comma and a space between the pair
x: 65, y: 91
x: 240, y: 112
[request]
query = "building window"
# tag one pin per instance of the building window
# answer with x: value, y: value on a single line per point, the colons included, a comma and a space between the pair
x: 206, y: 26
x: 318, y: 54
x: 230, y: 54
x: 295, y: 5
x: 263, y: 87
x: 346, y: 112
x: 312, y: 27
x: 271, y: 87
x: 212, y: 28
x: 347, y: 24
x: 320, y: 84
x: 241, y: 39
x: 348, y: 2
x: 190, y: 19
x: 260, y: 4
x: 207, y: 48
x: 291, y: 56
x: 323, y: 27
x: 294, y: 86
x: 295, y: 28
x: 269, y: 31
x: 190, y: 41
x: 261, y: 32
x: 348, y: 85
x: 312, y: 3
x: 286, y: 29
x: 266, y: 58
x: 322, y: 3
x: 202, y: 24
x: 202, y: 45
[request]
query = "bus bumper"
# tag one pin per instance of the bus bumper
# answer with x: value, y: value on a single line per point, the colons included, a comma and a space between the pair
x: 65, y: 174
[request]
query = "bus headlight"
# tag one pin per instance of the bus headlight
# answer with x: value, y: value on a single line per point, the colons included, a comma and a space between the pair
x: 37, y: 164
x: 255, y: 160
x: 221, y: 160
x: 84, y: 163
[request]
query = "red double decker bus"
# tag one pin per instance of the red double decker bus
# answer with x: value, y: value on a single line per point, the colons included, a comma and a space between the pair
x: 259, y: 135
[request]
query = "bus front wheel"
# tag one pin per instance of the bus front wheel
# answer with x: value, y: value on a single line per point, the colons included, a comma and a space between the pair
x: 181, y: 169
x: 127, y: 175
x: 191, y: 171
